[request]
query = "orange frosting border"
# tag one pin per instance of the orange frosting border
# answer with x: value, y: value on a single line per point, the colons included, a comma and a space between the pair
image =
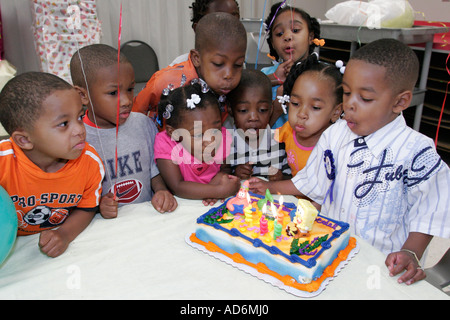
x: 287, y: 280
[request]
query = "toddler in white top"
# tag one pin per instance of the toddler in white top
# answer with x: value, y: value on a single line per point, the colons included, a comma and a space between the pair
x: 373, y: 171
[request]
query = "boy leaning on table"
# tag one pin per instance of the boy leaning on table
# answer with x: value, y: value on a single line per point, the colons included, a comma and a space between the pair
x: 51, y: 174
x: 371, y: 170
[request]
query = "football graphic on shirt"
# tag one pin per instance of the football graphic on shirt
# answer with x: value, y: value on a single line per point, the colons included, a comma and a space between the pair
x: 128, y: 190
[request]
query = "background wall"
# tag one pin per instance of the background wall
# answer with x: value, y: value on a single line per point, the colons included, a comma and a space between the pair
x: 164, y: 24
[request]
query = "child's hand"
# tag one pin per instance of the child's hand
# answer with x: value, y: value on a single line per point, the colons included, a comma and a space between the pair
x: 227, y: 185
x: 164, y: 201
x: 283, y: 69
x: 211, y: 202
x: 53, y: 243
x: 396, y: 262
x: 257, y: 185
x: 109, y: 206
x: 275, y: 174
x: 244, y: 171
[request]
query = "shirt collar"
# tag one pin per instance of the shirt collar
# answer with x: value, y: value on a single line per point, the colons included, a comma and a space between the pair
x: 379, y: 140
x: 382, y: 138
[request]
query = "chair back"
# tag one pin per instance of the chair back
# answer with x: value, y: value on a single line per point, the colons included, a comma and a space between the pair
x: 142, y: 57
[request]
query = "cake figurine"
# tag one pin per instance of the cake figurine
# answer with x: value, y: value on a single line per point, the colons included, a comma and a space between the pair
x: 303, y: 220
x: 240, y: 201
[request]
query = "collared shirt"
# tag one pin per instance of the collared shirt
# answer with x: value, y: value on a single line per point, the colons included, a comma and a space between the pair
x: 386, y: 185
x: 267, y: 157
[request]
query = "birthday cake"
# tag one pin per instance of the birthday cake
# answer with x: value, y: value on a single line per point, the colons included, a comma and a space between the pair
x: 293, y: 245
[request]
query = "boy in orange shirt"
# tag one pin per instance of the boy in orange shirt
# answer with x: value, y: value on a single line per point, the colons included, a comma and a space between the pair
x: 51, y: 174
x: 218, y: 59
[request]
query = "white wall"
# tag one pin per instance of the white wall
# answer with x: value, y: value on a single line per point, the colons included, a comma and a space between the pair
x: 164, y: 24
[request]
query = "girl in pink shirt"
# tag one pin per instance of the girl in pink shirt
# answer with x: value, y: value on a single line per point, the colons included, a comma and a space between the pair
x: 194, y: 145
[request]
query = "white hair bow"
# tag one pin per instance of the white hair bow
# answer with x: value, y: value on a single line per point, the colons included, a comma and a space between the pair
x: 284, y: 100
x: 195, y: 99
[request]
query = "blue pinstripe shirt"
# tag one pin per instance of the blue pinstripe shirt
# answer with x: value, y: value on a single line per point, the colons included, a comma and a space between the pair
x: 386, y: 185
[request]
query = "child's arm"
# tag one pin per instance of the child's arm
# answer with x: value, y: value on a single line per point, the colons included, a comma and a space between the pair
x: 163, y: 200
x: 277, y: 108
x: 260, y: 186
x: 408, y: 258
x: 171, y: 174
x: 54, y: 242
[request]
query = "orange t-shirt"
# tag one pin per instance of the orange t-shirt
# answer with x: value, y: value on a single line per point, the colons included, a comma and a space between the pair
x: 147, y: 100
x: 44, y: 200
x: 297, y: 154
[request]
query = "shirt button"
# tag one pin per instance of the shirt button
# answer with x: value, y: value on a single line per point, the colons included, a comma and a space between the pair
x: 360, y: 140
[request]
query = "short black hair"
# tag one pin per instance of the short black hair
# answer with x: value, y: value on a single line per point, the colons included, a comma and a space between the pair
x: 93, y: 58
x: 21, y: 99
x: 250, y: 78
x: 400, y: 61
x: 217, y: 27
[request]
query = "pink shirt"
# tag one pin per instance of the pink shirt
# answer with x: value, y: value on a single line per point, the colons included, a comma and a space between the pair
x: 192, y: 169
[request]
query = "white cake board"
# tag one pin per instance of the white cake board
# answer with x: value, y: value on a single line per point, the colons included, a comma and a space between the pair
x: 269, y: 279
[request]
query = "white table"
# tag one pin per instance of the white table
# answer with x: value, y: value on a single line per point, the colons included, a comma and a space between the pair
x: 142, y: 254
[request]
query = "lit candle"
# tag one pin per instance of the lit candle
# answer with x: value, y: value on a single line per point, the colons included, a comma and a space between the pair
x: 280, y: 217
x: 277, y: 230
x: 263, y: 227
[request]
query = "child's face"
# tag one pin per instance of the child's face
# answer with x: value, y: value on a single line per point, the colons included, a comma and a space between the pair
x: 312, y: 107
x: 202, y: 129
x: 291, y: 37
x: 104, y: 95
x: 59, y: 133
x: 252, y: 110
x: 221, y: 67
x: 369, y: 102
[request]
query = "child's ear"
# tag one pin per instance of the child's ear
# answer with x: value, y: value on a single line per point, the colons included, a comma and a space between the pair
x: 403, y: 100
x: 336, y: 113
x: 83, y: 94
x: 22, y: 139
x: 195, y: 57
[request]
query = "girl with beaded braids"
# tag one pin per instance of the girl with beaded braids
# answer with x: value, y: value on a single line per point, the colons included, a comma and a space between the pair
x: 313, y: 91
x: 194, y: 145
x: 292, y: 34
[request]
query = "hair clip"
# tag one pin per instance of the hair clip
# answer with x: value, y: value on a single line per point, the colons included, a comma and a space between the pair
x: 167, y: 90
x: 319, y: 42
x: 195, y: 99
x: 284, y: 100
x: 168, y: 112
x: 183, y: 80
x: 340, y: 66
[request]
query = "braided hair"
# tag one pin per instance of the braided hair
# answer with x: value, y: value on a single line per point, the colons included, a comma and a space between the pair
x: 173, y: 104
x: 312, y: 64
x: 311, y: 22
